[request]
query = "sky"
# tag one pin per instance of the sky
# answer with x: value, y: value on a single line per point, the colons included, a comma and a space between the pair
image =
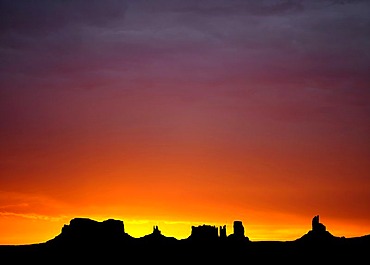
x: 180, y: 113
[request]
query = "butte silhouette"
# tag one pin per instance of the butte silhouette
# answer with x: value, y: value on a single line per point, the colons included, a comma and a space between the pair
x: 85, y: 241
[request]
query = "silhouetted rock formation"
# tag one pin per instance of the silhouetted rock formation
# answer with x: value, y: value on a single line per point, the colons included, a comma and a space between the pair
x: 223, y: 232
x: 90, y: 231
x: 156, y: 230
x: 157, y: 236
x: 317, y: 226
x: 87, y: 241
x: 204, y: 232
x: 238, y: 233
x: 238, y: 229
x: 318, y: 232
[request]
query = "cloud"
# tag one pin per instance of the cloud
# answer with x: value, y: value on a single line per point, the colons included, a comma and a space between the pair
x: 34, y: 216
x: 82, y: 43
x: 28, y: 205
x: 239, y: 7
x: 214, y: 46
x: 48, y: 16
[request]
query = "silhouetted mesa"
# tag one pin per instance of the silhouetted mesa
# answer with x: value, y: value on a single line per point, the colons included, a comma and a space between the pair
x: 84, y: 230
x: 89, y: 241
x: 204, y: 232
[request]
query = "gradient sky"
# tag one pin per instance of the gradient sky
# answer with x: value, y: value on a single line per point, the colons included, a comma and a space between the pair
x: 178, y: 113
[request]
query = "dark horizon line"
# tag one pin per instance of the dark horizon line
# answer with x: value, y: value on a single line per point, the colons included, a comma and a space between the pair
x: 113, y: 226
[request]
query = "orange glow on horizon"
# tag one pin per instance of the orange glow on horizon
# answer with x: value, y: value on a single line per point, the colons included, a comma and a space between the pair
x: 143, y: 193
x: 30, y: 229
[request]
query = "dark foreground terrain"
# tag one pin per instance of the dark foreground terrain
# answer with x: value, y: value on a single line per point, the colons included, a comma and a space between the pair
x: 86, y: 241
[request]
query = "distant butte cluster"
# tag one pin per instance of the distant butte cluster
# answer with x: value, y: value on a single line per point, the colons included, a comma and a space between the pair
x: 87, y: 229
x: 90, y: 241
x: 208, y: 232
